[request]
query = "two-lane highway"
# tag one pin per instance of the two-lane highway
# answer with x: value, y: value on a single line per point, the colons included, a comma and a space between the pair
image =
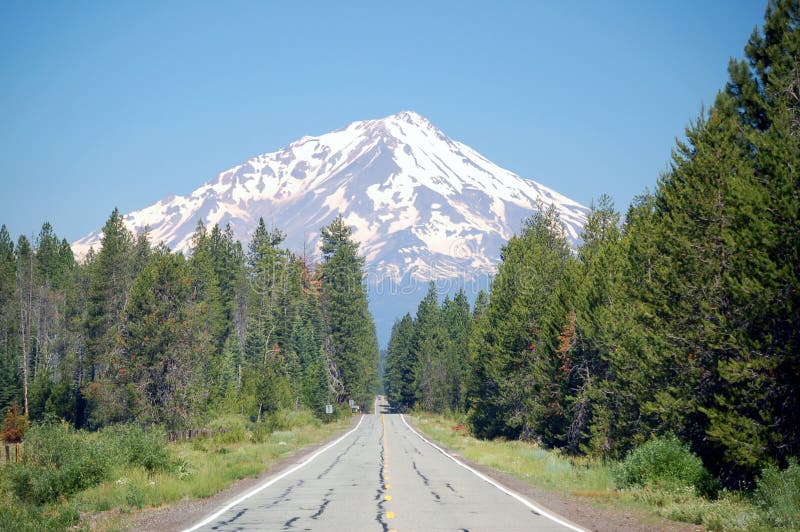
x: 381, y: 476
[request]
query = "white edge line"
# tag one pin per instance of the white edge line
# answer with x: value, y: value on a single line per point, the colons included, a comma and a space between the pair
x: 496, y: 484
x: 270, y: 482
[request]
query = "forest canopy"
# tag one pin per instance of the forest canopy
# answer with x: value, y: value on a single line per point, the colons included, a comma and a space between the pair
x: 139, y: 333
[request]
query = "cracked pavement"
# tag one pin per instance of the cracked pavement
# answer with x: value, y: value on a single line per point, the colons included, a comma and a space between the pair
x: 381, y: 477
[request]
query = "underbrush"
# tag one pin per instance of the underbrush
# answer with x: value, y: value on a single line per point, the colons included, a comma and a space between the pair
x: 28, y: 518
x: 665, y: 463
x: 662, y: 478
x: 132, y: 445
x: 58, y: 461
x: 67, y: 477
x: 778, y: 495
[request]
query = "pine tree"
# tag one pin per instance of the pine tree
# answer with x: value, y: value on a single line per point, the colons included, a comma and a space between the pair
x: 401, y: 364
x: 109, y: 284
x: 429, y: 350
x: 10, y: 382
x: 507, y: 393
x: 595, y: 338
x: 456, y: 317
x: 159, y: 378
x: 352, y: 344
x: 315, y: 389
x: 229, y: 267
x: 224, y: 374
x: 52, y: 277
x: 477, y: 359
x: 266, y: 265
x: 688, y: 298
x: 207, y: 285
x: 264, y: 373
x: 108, y: 290
x: 750, y: 416
x: 726, y: 217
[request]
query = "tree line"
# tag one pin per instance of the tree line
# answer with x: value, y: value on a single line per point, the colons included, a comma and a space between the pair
x: 139, y: 333
x: 425, y: 363
x: 683, y: 318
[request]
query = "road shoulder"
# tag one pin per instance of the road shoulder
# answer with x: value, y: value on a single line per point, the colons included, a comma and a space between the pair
x: 580, y: 511
x: 185, y: 513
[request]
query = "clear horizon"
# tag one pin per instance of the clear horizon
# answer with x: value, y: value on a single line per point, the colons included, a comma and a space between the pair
x: 109, y: 106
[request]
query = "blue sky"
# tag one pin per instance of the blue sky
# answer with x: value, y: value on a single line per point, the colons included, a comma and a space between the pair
x: 106, y: 104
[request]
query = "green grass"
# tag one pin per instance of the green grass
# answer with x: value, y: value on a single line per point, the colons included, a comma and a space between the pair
x: 594, y: 481
x: 210, y: 466
x: 540, y: 467
x: 198, y: 469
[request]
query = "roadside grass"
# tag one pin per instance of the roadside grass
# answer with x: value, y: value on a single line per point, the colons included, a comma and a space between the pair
x: 199, y: 468
x: 208, y: 466
x: 594, y: 480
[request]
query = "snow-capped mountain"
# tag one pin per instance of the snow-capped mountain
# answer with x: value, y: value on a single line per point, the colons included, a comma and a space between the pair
x: 422, y: 205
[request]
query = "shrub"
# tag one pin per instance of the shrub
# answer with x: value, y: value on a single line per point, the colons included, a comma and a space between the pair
x: 261, y: 432
x: 283, y: 420
x: 286, y: 419
x: 777, y: 495
x: 184, y: 470
x: 278, y: 420
x: 235, y: 429
x: 132, y: 445
x: 15, y: 425
x: 134, y: 496
x: 58, y: 461
x: 665, y: 463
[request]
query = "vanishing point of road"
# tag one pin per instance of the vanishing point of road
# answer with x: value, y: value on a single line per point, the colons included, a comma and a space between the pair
x: 381, y: 476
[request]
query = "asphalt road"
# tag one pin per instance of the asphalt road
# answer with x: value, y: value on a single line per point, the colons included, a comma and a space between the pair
x: 381, y: 476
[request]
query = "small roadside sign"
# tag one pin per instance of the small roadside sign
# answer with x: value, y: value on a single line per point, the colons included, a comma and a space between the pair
x: 352, y: 402
x: 329, y: 409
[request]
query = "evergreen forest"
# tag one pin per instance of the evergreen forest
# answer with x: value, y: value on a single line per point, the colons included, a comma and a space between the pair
x: 138, y: 333
x: 680, y: 318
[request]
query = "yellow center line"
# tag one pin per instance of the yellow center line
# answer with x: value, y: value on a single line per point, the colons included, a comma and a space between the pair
x: 385, y: 447
x: 387, y: 497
